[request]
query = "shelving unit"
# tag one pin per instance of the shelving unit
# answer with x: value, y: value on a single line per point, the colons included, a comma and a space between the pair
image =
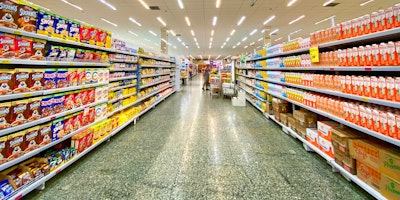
x: 122, y: 78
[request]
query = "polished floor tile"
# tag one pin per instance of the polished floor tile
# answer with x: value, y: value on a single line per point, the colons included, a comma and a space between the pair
x: 192, y: 147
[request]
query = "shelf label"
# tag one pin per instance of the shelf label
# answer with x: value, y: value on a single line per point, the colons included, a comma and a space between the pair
x: 71, y: 64
x: 368, y: 69
x: 314, y: 54
x: 19, y: 197
x: 16, y: 32
x: 365, y: 99
x: 57, y: 91
x: 27, y: 95
x: 53, y: 118
x: 57, y: 63
x: 332, y: 69
x: 6, y: 61
x: 58, y: 171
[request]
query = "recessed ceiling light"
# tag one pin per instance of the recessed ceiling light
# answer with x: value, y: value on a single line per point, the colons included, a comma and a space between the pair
x: 327, y: 2
x: 71, y: 4
x: 211, y: 39
x: 153, y: 33
x: 291, y: 3
x: 191, y: 31
x: 218, y: 3
x: 212, y: 32
x: 251, y: 44
x: 134, y: 21
x: 245, y: 47
x: 278, y: 39
x: 227, y: 39
x: 108, y: 4
x: 133, y: 33
x: 269, y: 19
x: 297, y: 19
x: 222, y: 47
x: 214, y: 21
x: 241, y: 20
x: 144, y: 4
x: 172, y: 32
x: 367, y: 2
x: 232, y: 32
x: 224, y: 44
x: 259, y: 39
x: 244, y: 39
x: 161, y: 21
x: 114, y: 24
x: 254, y: 31
x: 274, y: 31
x: 187, y: 21
x: 180, y: 4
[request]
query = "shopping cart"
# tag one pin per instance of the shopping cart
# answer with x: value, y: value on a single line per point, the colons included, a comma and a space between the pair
x: 215, y: 85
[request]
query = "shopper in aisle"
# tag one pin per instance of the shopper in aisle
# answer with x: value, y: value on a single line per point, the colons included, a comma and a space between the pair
x: 206, y: 77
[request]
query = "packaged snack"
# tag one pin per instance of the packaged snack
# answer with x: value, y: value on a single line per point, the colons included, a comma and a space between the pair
x: 38, y: 47
x: 84, y: 97
x: 47, y: 106
x: 5, y: 115
x: 79, y: 55
x: 50, y: 76
x: 98, y: 93
x: 95, y: 76
x: 27, y: 18
x: 93, y: 35
x: 77, y: 121
x: 7, y: 45
x: 6, y: 81
x: 8, y: 14
x: 57, y: 129
x: 69, y: 100
x: 36, y: 77
x: 14, y: 144
x: 78, y: 99
x: 61, y: 27
x: 85, y: 34
x: 97, y: 56
x: 71, y: 54
x: 91, y: 95
x: 62, y: 78
x: 89, y: 138
x: 92, y: 115
x: 80, y: 75
x: 21, y: 80
x: 73, y: 31
x: 68, y: 124
x: 30, y: 139
x: 72, y: 78
x: 45, y: 23
x: 19, y: 112
x: 63, y: 55
x: 52, y: 53
x: 101, y: 38
x: 79, y: 141
x: 58, y: 103
x: 3, y: 149
x: 108, y: 40
x: 85, y: 116
x: 23, y: 47
x: 44, y: 134
x: 34, y: 109
x: 88, y: 76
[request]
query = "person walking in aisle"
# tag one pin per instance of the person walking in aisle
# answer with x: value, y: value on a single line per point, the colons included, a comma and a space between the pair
x: 206, y: 77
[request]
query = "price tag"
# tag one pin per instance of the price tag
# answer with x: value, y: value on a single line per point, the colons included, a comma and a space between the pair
x: 53, y: 118
x: 71, y: 64
x: 86, y: 64
x: 17, y: 32
x: 57, y: 91
x: 58, y: 171
x: 314, y: 54
x: 64, y: 41
x: 365, y: 99
x: 19, y: 197
x: 57, y: 63
x: 6, y: 61
x: 368, y: 69
x: 27, y: 95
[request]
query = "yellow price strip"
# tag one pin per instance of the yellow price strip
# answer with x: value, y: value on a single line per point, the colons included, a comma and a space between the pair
x: 365, y: 99
x: 17, y: 32
x: 27, y: 95
x: 57, y: 63
x: 314, y: 54
x: 6, y: 61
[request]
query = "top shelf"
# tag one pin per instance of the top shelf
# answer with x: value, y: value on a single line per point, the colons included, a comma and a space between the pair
x: 78, y: 44
x: 386, y: 35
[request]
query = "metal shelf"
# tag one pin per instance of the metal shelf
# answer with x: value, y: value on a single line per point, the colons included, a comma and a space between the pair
x: 152, y: 75
x: 252, y: 103
x: 122, y: 70
x: 151, y: 84
x: 303, y: 50
x: 261, y: 79
x: 253, y: 86
x: 124, y: 61
x: 51, y: 63
x: 156, y: 66
x: 328, y: 68
x: 48, y: 119
x: 121, y: 87
x: 122, y: 78
x: 340, y: 120
x: 259, y: 98
x: 120, y: 98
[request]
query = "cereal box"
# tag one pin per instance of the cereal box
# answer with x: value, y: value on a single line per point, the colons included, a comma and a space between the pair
x: 85, y: 34
x: 7, y: 45
x: 44, y: 134
x: 50, y: 76
x: 38, y: 49
x: 34, y: 109
x: 73, y: 31
x: 69, y: 100
x: 23, y: 47
x: 81, y: 74
x: 19, y: 112
x: 47, y: 106
x: 5, y: 115
x: 77, y: 121
x: 8, y: 14
x: 57, y: 129
x: 14, y: 144
x: 78, y: 99
x: 70, y: 54
x: 27, y: 18
x: 36, y: 78
x: 45, y: 23
x: 21, y: 80
x: 6, y: 81
x: 93, y: 33
x: 101, y: 38
x: 30, y: 139
x: 61, y: 27
x: 58, y: 102
x: 62, y: 78
x: 63, y: 55
x: 72, y: 77
x: 68, y: 124
x: 3, y: 150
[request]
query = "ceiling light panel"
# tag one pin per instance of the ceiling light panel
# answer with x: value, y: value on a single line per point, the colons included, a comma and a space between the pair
x: 172, y: 32
x: 133, y: 33
x: 114, y: 24
x: 187, y: 21
x: 214, y: 22
x: 269, y: 19
x: 291, y: 3
x: 134, y: 21
x: 227, y: 39
x: 278, y: 39
x: 297, y: 19
x: 71, y: 4
x: 152, y: 33
x: 232, y: 32
x: 241, y: 20
x: 259, y: 39
x: 218, y: 3
x: 244, y: 39
x: 161, y: 21
x: 253, y: 32
x: 144, y: 4
x: 180, y: 3
x: 212, y: 33
x: 108, y: 4
x: 367, y: 2
x: 328, y: 2
x: 274, y: 31
x: 192, y: 32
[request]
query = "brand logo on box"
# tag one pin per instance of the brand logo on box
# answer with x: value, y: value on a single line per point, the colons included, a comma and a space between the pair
x: 391, y: 164
x: 392, y: 188
x: 361, y: 153
x: 364, y: 171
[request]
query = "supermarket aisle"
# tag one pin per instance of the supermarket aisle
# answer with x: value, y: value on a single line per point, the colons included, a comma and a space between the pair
x: 190, y: 147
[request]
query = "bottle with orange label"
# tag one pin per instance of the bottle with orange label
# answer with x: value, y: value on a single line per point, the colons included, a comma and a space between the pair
x: 376, y: 56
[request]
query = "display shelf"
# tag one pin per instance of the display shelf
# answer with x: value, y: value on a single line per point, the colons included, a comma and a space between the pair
x: 151, y: 84
x: 123, y: 70
x: 58, y: 90
x: 303, y: 50
x: 156, y: 66
x: 253, y: 86
x: 137, y: 101
x: 330, y: 68
x: 152, y: 75
x: 123, y: 61
x: 259, y: 98
x: 252, y: 103
x: 51, y: 63
x: 247, y: 76
x: 340, y: 120
x: 121, y: 87
x: 20, y: 95
x: 120, y: 98
x: 122, y: 78
x: 47, y: 119
x: 40, y: 149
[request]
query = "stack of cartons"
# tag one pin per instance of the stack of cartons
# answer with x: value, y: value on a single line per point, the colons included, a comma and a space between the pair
x: 279, y: 106
x: 378, y: 165
x: 325, y: 136
x: 304, y: 119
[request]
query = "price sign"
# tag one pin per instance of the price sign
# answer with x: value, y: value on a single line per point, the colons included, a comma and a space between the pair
x: 314, y: 54
x: 6, y: 61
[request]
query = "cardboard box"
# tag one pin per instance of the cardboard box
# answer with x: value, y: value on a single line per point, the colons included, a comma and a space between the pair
x: 325, y: 146
x: 306, y: 118
x: 341, y: 136
x: 312, y: 136
x: 369, y: 175
x: 325, y: 127
x: 280, y: 105
x: 292, y: 123
x: 301, y: 130
x: 284, y: 118
x: 277, y: 116
x: 268, y: 108
x: 390, y: 188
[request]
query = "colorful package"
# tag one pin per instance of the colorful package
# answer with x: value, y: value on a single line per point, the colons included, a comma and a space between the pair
x: 23, y: 47
x: 34, y: 109
x: 63, y: 55
x: 57, y: 129
x: 93, y: 35
x: 58, y: 103
x: 36, y: 82
x: 61, y: 27
x: 21, y: 80
x: 27, y: 18
x: 47, y: 106
x: 44, y: 134
x: 62, y: 78
x: 73, y: 31
x: 52, y: 53
x: 69, y: 100
x: 8, y: 14
x: 7, y: 45
x: 38, y: 49
x: 45, y: 23
x: 71, y: 54
x: 85, y: 34
x: 72, y: 77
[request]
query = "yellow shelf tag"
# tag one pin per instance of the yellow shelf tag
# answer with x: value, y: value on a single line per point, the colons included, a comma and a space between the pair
x: 6, y: 62
x: 27, y: 95
x: 16, y: 32
x: 314, y: 54
x: 365, y: 99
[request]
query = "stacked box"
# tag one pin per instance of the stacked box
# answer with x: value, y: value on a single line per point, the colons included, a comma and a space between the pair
x: 279, y: 106
x: 325, y: 136
x: 312, y: 136
x: 306, y: 118
x: 283, y: 117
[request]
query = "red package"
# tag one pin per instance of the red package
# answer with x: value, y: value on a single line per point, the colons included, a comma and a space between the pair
x: 84, y: 33
x: 84, y: 97
x: 7, y: 45
x: 23, y: 47
x: 69, y: 101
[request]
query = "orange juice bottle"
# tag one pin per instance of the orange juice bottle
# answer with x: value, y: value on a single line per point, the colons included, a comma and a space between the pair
x: 376, y: 56
x: 360, y: 90
x: 382, y: 88
x: 381, y: 20
x: 354, y: 82
x: 392, y: 126
x: 374, y: 22
x: 374, y: 87
x: 375, y: 118
x: 397, y: 89
x: 342, y: 80
x: 367, y: 24
x: 392, y: 54
x: 383, y: 119
x: 355, y: 56
x: 362, y: 56
x: 354, y: 31
x: 368, y: 113
x: 349, y: 57
x: 340, y: 57
x: 367, y: 86
x: 368, y: 55
x: 384, y: 54
x: 390, y: 89
x: 349, y: 86
x: 389, y: 20
x: 396, y: 15
x: 397, y: 53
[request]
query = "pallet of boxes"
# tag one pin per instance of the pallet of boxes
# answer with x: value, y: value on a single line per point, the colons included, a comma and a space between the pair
x: 281, y: 110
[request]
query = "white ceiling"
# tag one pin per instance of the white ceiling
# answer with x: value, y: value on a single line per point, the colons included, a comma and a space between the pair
x: 201, y: 13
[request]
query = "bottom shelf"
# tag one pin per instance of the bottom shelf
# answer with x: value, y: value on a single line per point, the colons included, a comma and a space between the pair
x: 37, y: 184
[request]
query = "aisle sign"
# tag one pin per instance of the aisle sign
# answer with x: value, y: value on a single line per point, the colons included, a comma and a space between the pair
x: 314, y: 54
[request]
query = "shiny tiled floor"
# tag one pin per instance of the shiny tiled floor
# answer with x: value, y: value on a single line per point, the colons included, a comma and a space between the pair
x: 191, y: 147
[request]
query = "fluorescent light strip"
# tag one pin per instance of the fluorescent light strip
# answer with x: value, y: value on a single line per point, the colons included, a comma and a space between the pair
x: 232, y: 32
x: 214, y: 21
x: 328, y: 2
x: 33, y: 4
x: 224, y: 44
x: 251, y: 44
x: 144, y: 4
x: 218, y: 3
x: 222, y: 47
x: 274, y: 31
x: 326, y: 19
x: 191, y: 31
x: 71, y: 4
x: 133, y: 33
x: 161, y: 21
x: 254, y: 31
x: 217, y: 57
x: 237, y: 44
x: 297, y: 19
x: 195, y: 39
x: 153, y: 33
x: 269, y: 19
x: 114, y: 24
x: 234, y: 47
x: 134, y: 21
x: 291, y: 3
x: 294, y: 32
x: 241, y: 20
x: 174, y: 47
x: 245, y: 47
x: 180, y: 4
x: 259, y: 39
x: 211, y: 39
x: 162, y: 39
x: 187, y: 21
x: 179, y: 39
x: 108, y: 4
x: 227, y: 39
x: 367, y: 2
x: 172, y: 32
x: 212, y: 33
x: 244, y: 39
x: 278, y: 39
x: 81, y: 21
